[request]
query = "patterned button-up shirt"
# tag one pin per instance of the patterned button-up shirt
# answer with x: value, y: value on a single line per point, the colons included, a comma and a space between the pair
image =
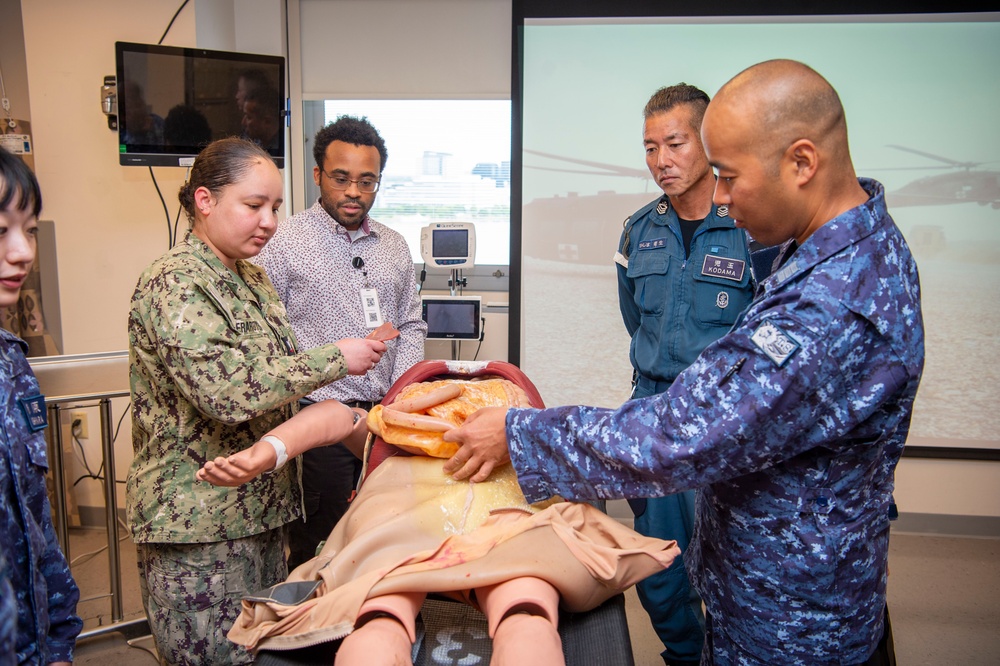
x: 213, y: 366
x: 791, y: 425
x: 44, y: 593
x: 311, y: 260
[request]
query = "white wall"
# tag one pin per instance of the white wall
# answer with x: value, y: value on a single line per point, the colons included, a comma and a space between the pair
x: 109, y: 221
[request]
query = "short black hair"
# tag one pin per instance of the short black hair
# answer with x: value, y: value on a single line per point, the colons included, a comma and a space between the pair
x: 668, y: 97
x: 19, y: 188
x: 349, y: 129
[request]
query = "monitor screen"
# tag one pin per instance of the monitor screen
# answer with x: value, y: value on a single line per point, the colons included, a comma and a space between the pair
x: 450, y: 243
x: 172, y: 101
x: 452, y: 318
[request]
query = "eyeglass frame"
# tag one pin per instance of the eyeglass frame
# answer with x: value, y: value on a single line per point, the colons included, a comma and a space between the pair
x: 378, y: 182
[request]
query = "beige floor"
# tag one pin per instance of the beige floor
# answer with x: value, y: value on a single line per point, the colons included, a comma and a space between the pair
x: 944, y: 597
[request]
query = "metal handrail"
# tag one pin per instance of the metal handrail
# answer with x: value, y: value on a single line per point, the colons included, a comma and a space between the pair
x: 95, y: 378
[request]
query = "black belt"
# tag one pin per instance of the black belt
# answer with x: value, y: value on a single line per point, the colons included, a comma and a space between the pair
x: 363, y: 404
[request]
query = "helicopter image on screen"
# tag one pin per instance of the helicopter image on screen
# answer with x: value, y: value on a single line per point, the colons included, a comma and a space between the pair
x: 964, y: 184
x: 585, y: 228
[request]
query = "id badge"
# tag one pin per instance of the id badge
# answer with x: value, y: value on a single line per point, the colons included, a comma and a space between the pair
x: 371, y: 307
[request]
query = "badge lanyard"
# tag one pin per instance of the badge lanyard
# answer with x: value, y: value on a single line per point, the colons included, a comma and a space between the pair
x: 369, y: 297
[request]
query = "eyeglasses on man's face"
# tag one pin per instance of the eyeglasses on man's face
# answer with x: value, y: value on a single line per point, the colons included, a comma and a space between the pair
x: 366, y: 184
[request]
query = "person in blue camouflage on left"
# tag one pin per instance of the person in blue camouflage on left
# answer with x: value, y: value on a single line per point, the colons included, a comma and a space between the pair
x: 38, y: 597
x: 790, y: 425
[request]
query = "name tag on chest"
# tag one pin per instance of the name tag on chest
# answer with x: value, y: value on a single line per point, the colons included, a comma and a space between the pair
x: 653, y: 244
x: 247, y: 326
x: 723, y: 267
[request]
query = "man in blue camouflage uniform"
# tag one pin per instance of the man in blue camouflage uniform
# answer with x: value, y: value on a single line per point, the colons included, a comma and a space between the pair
x: 683, y: 277
x: 792, y: 424
x: 38, y: 621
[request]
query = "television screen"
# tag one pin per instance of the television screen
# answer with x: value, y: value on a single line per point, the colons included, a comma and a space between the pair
x: 172, y: 101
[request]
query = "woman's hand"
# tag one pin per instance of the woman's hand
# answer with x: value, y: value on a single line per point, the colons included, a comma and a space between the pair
x: 240, y: 467
x: 360, y: 354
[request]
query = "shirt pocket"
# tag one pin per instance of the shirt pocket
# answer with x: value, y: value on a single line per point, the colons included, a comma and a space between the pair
x: 248, y: 329
x: 36, y: 449
x: 719, y: 300
x: 649, y: 269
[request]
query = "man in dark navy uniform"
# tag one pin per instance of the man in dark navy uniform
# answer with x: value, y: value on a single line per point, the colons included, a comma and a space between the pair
x: 683, y: 277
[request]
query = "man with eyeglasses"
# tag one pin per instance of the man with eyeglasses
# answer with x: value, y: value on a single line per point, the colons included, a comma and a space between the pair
x: 683, y: 277
x: 341, y: 274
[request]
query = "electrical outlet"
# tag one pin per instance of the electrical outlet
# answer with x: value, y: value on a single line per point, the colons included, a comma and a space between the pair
x: 81, y: 431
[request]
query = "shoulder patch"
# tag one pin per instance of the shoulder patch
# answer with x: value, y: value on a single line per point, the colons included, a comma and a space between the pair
x: 34, y: 412
x: 773, y: 341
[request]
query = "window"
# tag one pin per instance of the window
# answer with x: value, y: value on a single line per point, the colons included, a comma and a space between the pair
x: 449, y: 160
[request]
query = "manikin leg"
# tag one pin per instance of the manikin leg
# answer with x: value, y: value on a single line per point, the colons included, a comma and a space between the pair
x: 523, y: 616
x: 384, y: 633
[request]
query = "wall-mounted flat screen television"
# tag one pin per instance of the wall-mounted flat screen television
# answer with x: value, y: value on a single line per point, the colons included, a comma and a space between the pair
x: 172, y: 101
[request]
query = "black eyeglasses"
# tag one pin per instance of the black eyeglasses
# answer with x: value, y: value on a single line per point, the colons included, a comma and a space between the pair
x: 366, y: 184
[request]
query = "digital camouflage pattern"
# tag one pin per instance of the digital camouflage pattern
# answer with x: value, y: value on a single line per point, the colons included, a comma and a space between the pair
x: 8, y: 614
x: 192, y: 593
x: 40, y: 616
x: 213, y: 367
x: 791, y: 427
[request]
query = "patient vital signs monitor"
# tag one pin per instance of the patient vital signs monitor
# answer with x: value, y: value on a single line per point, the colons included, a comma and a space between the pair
x: 449, y: 245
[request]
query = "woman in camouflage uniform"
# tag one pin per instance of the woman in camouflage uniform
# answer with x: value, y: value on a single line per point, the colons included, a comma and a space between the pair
x: 213, y: 367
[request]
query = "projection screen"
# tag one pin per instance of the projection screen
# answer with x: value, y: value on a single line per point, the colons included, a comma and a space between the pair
x: 921, y: 97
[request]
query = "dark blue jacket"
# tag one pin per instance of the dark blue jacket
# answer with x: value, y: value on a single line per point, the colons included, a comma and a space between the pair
x: 674, y: 306
x: 46, y: 595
